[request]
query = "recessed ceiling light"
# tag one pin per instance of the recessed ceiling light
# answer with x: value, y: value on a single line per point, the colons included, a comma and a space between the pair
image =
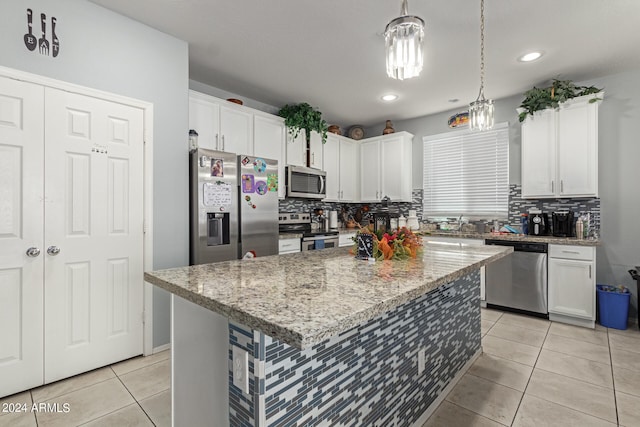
x: 389, y: 97
x: 531, y: 56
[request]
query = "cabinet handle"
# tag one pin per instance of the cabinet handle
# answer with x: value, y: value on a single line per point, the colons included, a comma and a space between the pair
x: 313, y: 158
x: 562, y: 186
x: 217, y: 142
x: 222, y: 142
x: 589, y: 271
x: 571, y: 252
x: 341, y: 193
x: 552, y: 189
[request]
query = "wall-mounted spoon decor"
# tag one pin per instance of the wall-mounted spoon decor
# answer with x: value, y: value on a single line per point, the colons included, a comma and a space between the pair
x: 29, y: 39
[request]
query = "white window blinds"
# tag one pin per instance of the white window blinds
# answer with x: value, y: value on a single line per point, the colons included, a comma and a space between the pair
x: 467, y: 173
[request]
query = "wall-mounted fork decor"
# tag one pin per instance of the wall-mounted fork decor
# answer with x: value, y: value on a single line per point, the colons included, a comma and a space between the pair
x: 31, y: 42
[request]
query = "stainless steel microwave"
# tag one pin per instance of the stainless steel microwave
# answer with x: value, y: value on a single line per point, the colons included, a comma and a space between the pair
x: 305, y: 182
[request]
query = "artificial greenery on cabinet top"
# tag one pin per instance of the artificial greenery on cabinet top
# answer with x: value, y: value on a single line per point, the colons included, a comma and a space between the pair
x: 537, y: 99
x: 303, y: 116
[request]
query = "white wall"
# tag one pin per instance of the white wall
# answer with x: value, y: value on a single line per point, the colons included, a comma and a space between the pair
x: 102, y: 50
x: 619, y: 168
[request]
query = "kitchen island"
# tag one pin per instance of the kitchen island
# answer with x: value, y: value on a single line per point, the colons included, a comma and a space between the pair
x: 320, y: 338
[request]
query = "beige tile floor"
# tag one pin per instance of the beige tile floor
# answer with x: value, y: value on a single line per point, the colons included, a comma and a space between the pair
x: 130, y: 393
x: 538, y: 373
x: 532, y: 373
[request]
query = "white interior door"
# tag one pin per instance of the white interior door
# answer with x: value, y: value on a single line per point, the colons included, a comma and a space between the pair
x: 94, y: 216
x: 21, y: 228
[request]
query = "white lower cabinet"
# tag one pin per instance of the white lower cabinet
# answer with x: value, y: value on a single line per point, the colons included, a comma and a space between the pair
x: 462, y: 242
x: 288, y: 246
x: 346, y: 239
x: 572, y: 284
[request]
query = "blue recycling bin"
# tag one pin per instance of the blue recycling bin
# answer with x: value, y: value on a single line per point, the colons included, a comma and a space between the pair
x: 613, y: 306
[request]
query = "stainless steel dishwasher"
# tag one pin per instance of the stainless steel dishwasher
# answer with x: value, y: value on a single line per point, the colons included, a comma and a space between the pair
x: 519, y: 281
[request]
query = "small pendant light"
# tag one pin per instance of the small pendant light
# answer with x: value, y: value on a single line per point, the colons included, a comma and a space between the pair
x: 404, y: 38
x: 481, y: 111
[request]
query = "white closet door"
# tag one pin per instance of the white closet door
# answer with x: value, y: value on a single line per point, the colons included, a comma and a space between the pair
x: 21, y: 227
x: 94, y: 216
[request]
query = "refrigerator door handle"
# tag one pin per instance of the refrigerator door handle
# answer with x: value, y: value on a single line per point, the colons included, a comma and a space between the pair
x: 321, y: 184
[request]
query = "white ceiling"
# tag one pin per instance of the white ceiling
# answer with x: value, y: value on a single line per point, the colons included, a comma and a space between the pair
x: 330, y: 53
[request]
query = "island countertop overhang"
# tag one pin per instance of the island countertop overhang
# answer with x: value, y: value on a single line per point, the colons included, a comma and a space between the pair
x: 305, y: 298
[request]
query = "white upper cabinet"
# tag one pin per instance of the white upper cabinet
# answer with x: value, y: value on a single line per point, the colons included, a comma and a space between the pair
x: 349, y: 170
x: 204, y: 118
x: 297, y: 149
x: 236, y: 130
x: 224, y: 126
x: 560, y: 150
x: 268, y: 142
x: 369, y: 170
x: 539, y: 154
x: 340, y: 161
x: 385, y: 168
x: 315, y: 150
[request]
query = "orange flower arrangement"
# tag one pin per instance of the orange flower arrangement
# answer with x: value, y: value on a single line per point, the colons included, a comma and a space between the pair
x: 401, y: 244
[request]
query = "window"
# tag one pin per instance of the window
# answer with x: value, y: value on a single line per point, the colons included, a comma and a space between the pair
x: 467, y: 173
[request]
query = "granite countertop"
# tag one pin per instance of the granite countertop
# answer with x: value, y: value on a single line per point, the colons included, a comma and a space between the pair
x: 512, y: 236
x: 305, y: 298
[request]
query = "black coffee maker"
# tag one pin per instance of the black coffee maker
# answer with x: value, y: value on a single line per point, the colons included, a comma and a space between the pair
x: 538, y: 224
x: 562, y: 224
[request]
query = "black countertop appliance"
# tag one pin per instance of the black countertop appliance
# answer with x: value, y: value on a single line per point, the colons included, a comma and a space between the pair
x: 563, y: 224
x: 538, y: 224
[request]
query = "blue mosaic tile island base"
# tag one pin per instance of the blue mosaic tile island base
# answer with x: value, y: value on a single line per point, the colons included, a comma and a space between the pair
x: 367, y: 375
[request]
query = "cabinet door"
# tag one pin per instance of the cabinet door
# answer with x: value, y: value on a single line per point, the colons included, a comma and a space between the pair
x: 370, y: 171
x: 539, y: 155
x: 331, y: 165
x: 204, y: 119
x: 571, y: 288
x: 578, y: 150
x: 349, y: 164
x: 268, y: 141
x: 315, y: 150
x: 21, y: 228
x: 236, y: 131
x: 395, y: 167
x: 297, y: 149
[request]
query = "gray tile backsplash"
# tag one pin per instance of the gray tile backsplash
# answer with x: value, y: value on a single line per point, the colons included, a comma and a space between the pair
x: 517, y: 206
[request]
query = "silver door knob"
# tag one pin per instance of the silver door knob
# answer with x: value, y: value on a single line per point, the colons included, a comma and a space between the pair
x: 53, y: 250
x: 33, y: 252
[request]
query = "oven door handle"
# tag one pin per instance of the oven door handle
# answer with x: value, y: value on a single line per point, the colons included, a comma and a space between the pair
x: 321, y: 237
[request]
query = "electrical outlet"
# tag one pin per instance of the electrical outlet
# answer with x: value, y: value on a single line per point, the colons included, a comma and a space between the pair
x: 241, y: 369
x: 421, y: 361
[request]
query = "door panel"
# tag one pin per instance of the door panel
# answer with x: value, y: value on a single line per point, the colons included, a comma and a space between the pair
x: 21, y: 227
x: 94, y: 215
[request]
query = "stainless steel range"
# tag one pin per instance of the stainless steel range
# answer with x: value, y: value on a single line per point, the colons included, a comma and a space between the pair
x: 313, y: 238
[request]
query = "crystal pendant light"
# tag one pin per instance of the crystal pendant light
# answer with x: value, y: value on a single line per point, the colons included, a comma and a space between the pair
x: 404, y: 37
x: 481, y: 111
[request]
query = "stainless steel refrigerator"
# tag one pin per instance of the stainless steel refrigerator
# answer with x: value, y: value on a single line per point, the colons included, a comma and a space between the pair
x: 233, y: 206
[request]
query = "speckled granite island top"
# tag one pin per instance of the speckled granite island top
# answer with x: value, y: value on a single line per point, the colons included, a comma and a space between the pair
x: 307, y: 297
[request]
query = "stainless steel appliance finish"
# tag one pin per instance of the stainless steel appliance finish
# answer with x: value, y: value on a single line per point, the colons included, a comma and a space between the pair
x: 213, y: 213
x: 519, y: 281
x: 233, y: 206
x: 258, y: 206
x: 312, y: 239
x: 303, y: 182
